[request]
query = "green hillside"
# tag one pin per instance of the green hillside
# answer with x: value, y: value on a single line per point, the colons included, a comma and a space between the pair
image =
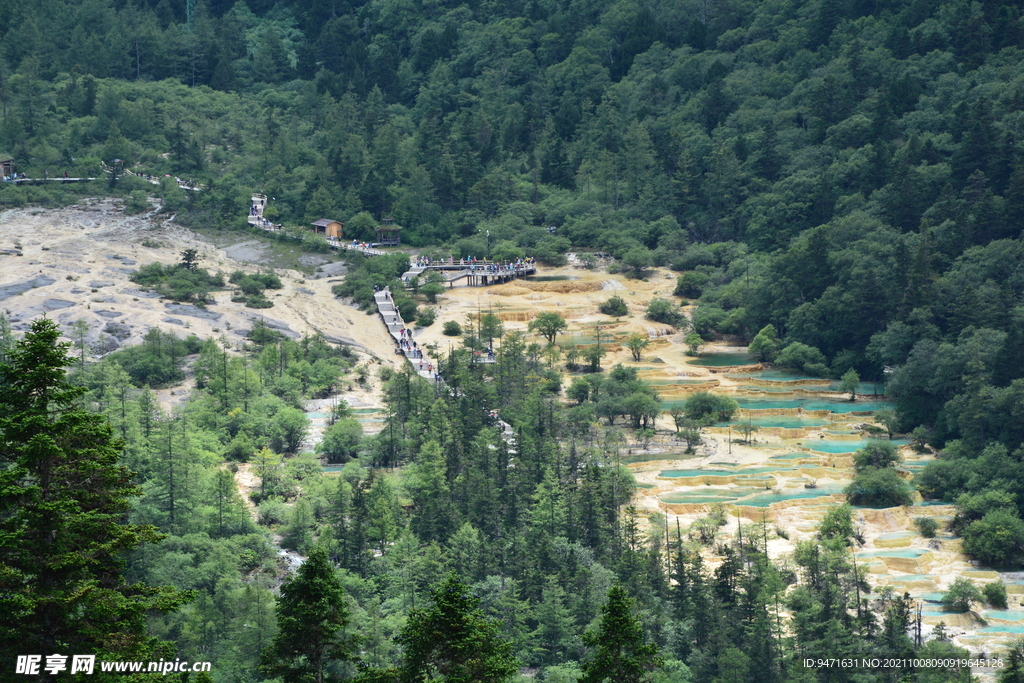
x: 849, y: 173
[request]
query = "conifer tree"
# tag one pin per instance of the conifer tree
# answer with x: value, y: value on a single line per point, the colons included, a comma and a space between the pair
x: 453, y: 638
x: 64, y: 499
x: 620, y: 653
x: 312, y: 617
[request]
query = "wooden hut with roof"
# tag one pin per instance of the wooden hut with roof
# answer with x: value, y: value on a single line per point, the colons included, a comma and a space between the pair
x: 328, y: 227
x: 388, y: 234
x: 6, y: 166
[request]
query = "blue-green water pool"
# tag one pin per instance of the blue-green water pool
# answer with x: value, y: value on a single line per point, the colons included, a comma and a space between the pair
x: 792, y: 456
x: 1002, y: 628
x: 673, y: 382
x: 720, y: 360
x: 633, y: 459
x: 762, y: 389
x: 707, y: 494
x: 845, y: 446
x: 906, y: 553
x: 777, y: 375
x: 782, y: 421
x: 697, y: 473
x: 1003, y: 614
x: 765, y: 499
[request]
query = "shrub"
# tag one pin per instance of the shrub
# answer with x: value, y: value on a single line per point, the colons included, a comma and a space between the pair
x: 878, y: 487
x: 800, y: 356
x: 691, y: 284
x: 268, y: 280
x: 272, y: 512
x: 250, y: 286
x: 995, y: 594
x: 876, y: 454
x: 451, y: 329
x: 258, y: 301
x: 638, y: 260
x: 615, y: 307
x: 704, y: 405
x: 971, y: 507
x: 997, y: 539
x: 425, y: 317
x: 177, y: 282
x: 432, y: 290
x: 708, y: 319
x: 765, y: 344
x: 961, y: 595
x: 665, y: 311
x: 579, y: 390
x: 136, y: 203
x: 341, y: 440
x: 927, y: 526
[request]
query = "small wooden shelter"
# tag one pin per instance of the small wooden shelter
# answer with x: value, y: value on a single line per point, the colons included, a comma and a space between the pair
x: 388, y: 234
x: 6, y: 167
x: 328, y: 227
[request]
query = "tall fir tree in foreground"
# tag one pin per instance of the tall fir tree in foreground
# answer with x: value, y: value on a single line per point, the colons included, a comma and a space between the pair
x: 451, y: 641
x: 64, y: 502
x: 619, y: 653
x: 312, y: 617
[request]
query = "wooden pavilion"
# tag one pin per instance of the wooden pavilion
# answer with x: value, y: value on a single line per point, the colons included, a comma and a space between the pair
x: 388, y: 234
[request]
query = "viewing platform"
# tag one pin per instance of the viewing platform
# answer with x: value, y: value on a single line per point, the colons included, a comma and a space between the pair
x: 478, y: 274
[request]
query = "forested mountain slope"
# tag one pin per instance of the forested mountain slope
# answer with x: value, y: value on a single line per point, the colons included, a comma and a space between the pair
x: 660, y: 126
x: 850, y: 173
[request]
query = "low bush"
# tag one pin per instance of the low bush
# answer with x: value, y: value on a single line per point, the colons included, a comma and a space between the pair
x: 665, y: 311
x: 615, y: 307
x: 878, y: 487
x: 425, y: 317
x: 927, y: 526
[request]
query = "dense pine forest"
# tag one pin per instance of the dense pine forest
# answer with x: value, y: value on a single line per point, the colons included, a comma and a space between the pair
x: 840, y: 184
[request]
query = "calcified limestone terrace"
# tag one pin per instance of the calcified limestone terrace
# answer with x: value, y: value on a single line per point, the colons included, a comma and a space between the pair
x: 76, y: 263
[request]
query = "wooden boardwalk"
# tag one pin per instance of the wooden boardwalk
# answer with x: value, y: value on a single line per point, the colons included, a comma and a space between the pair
x: 19, y: 181
x: 396, y: 326
x: 257, y: 205
x: 480, y: 274
x: 424, y: 366
x: 358, y: 246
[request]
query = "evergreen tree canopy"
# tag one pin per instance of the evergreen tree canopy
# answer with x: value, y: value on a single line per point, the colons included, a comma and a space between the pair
x: 64, y: 500
x: 453, y: 639
x: 619, y: 651
x: 312, y: 617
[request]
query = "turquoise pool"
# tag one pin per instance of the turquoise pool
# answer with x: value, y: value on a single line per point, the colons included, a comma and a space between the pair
x: 720, y: 360
x: 782, y: 421
x: 765, y: 499
x: 698, y: 473
x: 846, y: 446
x: 906, y: 553
x: 778, y: 375
x: 792, y: 456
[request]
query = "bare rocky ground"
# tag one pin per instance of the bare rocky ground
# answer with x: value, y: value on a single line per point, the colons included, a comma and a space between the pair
x: 74, y: 264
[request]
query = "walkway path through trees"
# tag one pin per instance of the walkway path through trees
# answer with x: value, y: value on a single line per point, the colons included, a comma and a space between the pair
x: 425, y: 366
x: 399, y: 332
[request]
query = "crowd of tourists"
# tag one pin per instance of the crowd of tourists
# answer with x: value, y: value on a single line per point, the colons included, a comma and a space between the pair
x: 474, y: 263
